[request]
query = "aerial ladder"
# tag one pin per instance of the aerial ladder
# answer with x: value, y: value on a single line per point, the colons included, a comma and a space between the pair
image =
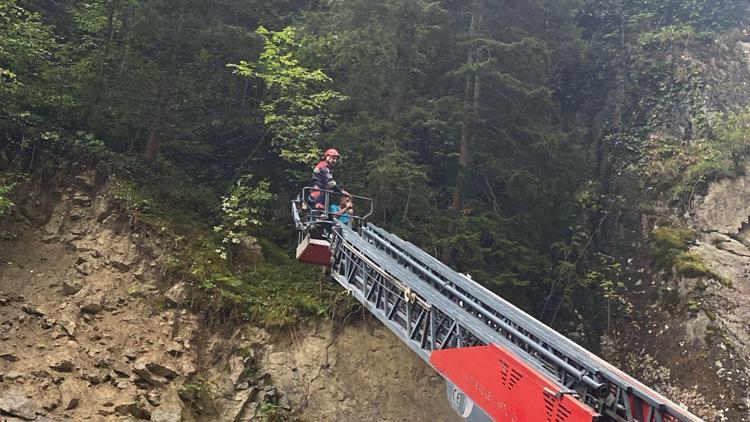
x: 499, y: 363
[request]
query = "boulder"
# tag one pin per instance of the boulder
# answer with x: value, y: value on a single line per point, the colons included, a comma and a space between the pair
x: 72, y: 403
x: 69, y: 288
x: 63, y: 366
x: 91, y: 304
x: 247, y: 252
x: 68, y: 324
x: 10, y: 357
x: 14, y: 403
x: 170, y: 410
x: 121, y: 370
x: 174, y: 349
x: 133, y: 408
x: 145, y: 375
x: 154, y: 398
x: 176, y: 295
x: 32, y: 311
x: 85, y: 181
x: 161, y: 370
x: 119, y: 264
x: 83, y: 268
x: 82, y: 200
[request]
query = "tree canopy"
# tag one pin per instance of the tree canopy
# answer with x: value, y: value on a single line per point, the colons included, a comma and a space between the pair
x: 487, y: 131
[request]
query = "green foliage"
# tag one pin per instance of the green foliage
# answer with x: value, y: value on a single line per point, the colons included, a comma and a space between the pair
x: 671, y: 251
x: 26, y: 53
x: 199, y: 395
x: 690, y: 264
x: 668, y: 240
x: 570, y: 92
x: 242, y: 209
x: 275, y: 294
x: 731, y: 134
x: 5, y: 203
x: 399, y: 186
x: 694, y: 307
x: 296, y: 102
x: 682, y: 168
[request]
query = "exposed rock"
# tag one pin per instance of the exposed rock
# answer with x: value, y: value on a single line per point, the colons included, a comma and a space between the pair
x: 82, y: 200
x: 188, y: 369
x: 176, y: 295
x: 63, y: 366
x: 270, y: 394
x: 14, y: 403
x: 726, y: 207
x: 32, y: 311
x: 174, y: 349
x: 83, y: 268
x: 41, y: 373
x: 119, y: 264
x: 247, y: 252
x: 48, y: 323
x: 10, y: 357
x: 102, y: 210
x: 161, y: 370
x: 13, y: 375
x: 85, y: 181
x: 95, y: 378
x: 284, y: 403
x: 68, y: 324
x: 69, y: 288
x: 72, y: 403
x: 240, y: 409
x: 121, y: 370
x: 107, y: 411
x: 35, y: 211
x: 75, y: 215
x: 91, y: 304
x: 130, y: 354
x: 145, y: 375
x: 45, y: 419
x: 170, y: 410
x: 730, y: 245
x: 51, y: 401
x: 133, y: 408
x: 154, y: 398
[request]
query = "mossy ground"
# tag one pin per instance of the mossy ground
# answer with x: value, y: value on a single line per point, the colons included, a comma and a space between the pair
x: 671, y: 252
x: 277, y: 292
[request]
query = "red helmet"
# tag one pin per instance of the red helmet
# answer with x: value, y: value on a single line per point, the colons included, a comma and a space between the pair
x: 332, y: 152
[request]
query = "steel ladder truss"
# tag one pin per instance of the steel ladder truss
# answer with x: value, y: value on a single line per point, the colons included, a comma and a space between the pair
x: 433, y: 308
x: 419, y: 316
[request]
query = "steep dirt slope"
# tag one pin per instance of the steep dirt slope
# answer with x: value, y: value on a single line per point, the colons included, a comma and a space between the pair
x: 360, y: 372
x: 88, y: 333
x: 79, y: 339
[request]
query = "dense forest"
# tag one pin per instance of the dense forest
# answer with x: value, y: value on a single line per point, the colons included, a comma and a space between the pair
x: 496, y: 134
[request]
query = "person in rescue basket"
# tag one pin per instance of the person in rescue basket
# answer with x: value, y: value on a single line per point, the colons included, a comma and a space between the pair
x: 323, y: 179
x: 343, y: 210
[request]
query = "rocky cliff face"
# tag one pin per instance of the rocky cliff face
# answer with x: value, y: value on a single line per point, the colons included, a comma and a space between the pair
x: 685, y: 332
x: 723, y: 244
x: 88, y: 332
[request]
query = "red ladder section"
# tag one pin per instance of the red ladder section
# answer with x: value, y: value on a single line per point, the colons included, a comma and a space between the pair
x: 506, y: 388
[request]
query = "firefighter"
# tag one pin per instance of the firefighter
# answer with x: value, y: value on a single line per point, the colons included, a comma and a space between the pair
x: 323, y: 179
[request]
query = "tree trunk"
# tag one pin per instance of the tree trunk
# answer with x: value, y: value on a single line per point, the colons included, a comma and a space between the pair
x: 471, y: 103
x: 472, y: 94
x: 153, y: 142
